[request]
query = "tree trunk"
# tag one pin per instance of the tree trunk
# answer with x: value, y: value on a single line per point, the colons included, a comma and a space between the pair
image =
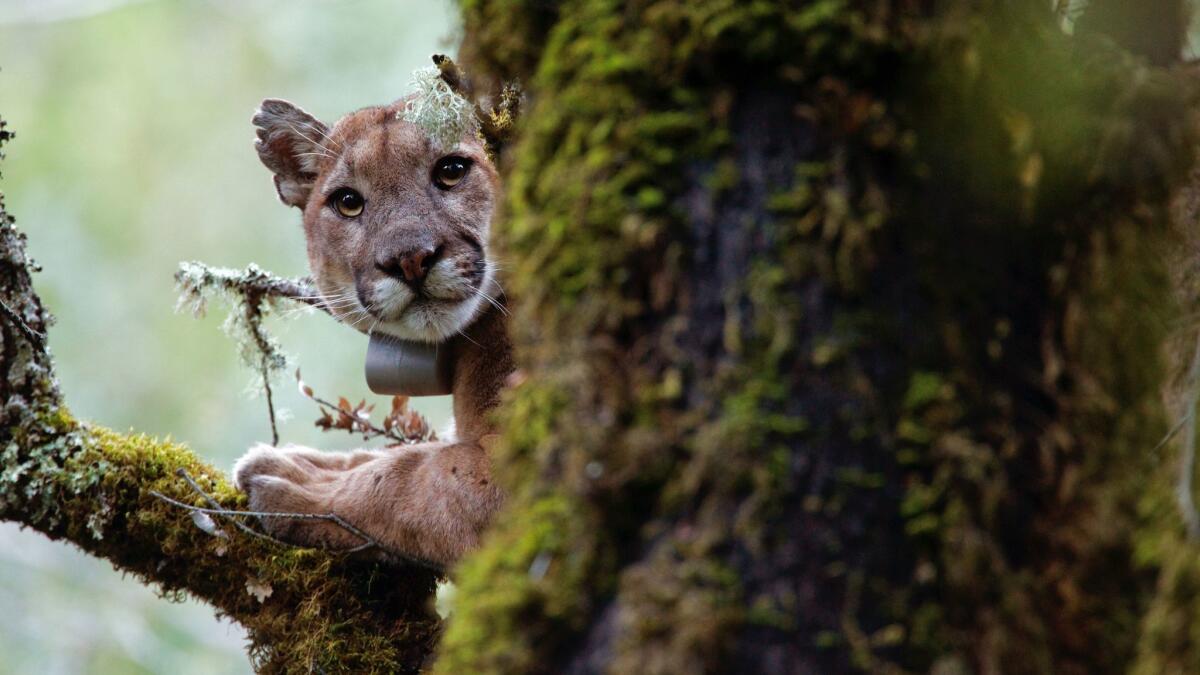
x: 841, y: 327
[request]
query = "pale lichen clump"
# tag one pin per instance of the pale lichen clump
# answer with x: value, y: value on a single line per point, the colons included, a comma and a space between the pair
x: 252, y: 294
x: 443, y: 113
x: 249, y: 304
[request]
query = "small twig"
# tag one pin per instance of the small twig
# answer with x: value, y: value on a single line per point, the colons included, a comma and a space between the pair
x: 253, y: 292
x: 270, y: 405
x: 182, y: 473
x: 38, y: 340
x: 364, y: 424
x: 253, y: 308
x: 194, y: 277
x: 215, y: 509
x: 497, y: 124
x: 354, y: 421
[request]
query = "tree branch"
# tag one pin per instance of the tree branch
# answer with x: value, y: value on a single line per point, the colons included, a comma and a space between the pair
x: 253, y: 292
x: 304, y: 609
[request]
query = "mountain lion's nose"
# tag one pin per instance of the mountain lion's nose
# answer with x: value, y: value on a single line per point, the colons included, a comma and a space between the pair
x: 412, y: 265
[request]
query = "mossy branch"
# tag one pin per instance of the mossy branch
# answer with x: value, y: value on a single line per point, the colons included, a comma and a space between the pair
x: 305, y: 610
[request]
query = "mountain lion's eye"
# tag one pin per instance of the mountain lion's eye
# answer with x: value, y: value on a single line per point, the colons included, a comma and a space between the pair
x: 347, y: 202
x: 449, y: 171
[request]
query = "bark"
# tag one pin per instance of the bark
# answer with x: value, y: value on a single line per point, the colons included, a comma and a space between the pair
x: 841, y: 326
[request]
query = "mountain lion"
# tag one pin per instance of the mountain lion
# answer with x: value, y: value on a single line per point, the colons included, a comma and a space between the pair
x: 396, y: 228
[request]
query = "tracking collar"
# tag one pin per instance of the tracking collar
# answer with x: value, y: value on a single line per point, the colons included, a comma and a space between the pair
x: 407, y: 368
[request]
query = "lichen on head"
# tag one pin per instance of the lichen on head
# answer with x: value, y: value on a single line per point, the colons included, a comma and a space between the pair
x: 443, y: 113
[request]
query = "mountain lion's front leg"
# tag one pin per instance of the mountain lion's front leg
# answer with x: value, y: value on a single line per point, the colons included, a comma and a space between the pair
x: 429, y: 501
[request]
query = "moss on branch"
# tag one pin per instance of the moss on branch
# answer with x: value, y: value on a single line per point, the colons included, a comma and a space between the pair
x: 305, y: 610
x: 312, y: 610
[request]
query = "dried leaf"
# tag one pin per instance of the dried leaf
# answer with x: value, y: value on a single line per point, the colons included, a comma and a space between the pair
x: 414, y: 425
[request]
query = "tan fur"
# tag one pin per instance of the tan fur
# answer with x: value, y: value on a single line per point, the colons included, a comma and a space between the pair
x: 429, y: 501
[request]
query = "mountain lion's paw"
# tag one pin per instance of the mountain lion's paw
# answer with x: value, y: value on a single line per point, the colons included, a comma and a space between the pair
x: 276, y: 483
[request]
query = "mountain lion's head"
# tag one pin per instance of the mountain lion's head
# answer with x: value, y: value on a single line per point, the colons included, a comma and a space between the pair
x: 396, y: 225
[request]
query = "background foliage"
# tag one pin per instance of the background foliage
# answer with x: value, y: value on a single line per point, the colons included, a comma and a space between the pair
x: 134, y: 153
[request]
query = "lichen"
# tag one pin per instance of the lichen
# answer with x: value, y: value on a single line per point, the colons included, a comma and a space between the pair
x: 434, y: 106
x: 197, y: 284
x: 252, y: 295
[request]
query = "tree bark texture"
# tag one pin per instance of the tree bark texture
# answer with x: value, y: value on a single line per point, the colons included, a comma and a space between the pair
x: 840, y: 325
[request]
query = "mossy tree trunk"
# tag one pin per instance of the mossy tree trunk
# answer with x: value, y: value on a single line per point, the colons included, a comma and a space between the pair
x: 840, y: 325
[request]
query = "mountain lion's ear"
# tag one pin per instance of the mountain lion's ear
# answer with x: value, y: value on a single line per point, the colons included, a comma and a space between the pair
x: 290, y: 143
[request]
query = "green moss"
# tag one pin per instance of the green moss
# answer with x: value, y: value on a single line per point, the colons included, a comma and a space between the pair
x: 540, y: 551
x: 978, y: 216
x: 331, y: 612
x: 595, y: 185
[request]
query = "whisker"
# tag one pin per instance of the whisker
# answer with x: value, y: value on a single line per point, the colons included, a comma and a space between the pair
x: 364, y: 314
x: 344, y: 302
x: 496, y: 280
x: 346, y: 291
x: 468, y: 338
x: 296, y: 310
x: 318, y: 297
x: 346, y: 295
x: 493, y: 301
x: 339, y: 296
x: 344, y: 306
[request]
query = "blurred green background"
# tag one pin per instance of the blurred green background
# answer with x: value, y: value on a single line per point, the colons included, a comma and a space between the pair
x: 133, y: 152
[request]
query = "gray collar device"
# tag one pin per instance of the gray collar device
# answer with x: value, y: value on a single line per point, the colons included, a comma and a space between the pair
x: 398, y: 367
x: 405, y: 368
